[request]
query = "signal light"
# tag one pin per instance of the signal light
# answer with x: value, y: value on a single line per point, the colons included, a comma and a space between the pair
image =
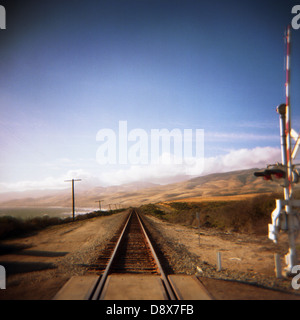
x: 263, y: 174
x: 268, y: 173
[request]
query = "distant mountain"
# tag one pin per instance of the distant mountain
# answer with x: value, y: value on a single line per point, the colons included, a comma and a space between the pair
x: 7, y: 196
x: 134, y: 194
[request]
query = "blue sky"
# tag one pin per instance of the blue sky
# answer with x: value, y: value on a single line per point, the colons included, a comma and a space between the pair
x: 71, y: 68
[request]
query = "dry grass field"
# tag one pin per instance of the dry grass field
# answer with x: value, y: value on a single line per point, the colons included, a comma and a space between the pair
x: 236, y: 197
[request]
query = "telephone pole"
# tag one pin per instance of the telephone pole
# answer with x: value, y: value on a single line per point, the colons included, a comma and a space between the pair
x: 99, y: 201
x: 73, y: 195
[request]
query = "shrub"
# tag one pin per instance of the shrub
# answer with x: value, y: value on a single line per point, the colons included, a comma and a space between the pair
x: 251, y: 215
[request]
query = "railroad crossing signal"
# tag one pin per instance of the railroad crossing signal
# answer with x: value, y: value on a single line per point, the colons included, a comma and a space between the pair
x: 284, y: 217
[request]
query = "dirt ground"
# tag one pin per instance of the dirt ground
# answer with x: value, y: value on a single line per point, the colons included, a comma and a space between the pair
x: 247, y: 262
x: 240, y: 252
x: 37, y: 266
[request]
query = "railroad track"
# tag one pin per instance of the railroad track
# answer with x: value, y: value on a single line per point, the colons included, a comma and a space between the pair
x: 128, y: 268
x: 130, y: 252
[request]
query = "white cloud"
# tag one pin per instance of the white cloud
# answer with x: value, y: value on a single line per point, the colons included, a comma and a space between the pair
x: 155, y: 173
x: 165, y: 172
x: 51, y: 183
x: 242, y: 159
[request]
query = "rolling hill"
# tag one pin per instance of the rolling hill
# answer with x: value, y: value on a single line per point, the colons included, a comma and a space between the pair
x: 235, y: 183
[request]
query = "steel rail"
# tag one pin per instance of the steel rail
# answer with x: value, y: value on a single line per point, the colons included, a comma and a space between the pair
x: 162, y: 273
x: 96, y: 293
